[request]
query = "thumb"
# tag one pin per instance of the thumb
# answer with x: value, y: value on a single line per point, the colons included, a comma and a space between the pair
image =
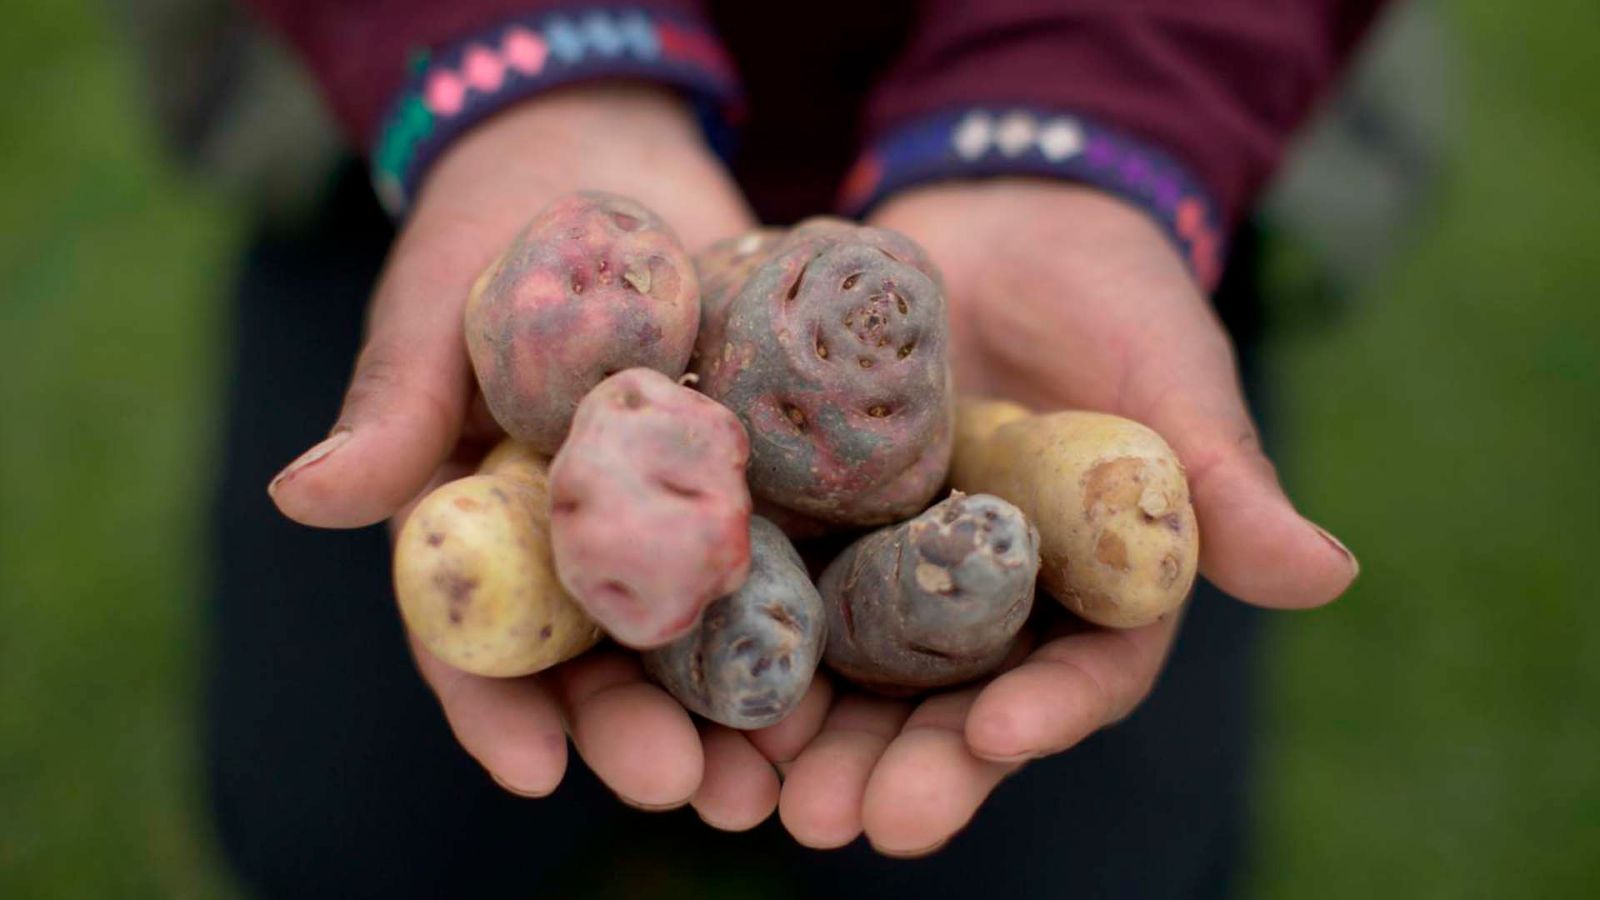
x: 407, y: 397
x: 1254, y: 545
x: 403, y: 412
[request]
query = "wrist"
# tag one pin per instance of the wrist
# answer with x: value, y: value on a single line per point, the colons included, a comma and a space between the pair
x: 459, y: 86
x: 574, y: 137
x: 634, y: 139
x: 1010, y: 219
x: 987, y: 141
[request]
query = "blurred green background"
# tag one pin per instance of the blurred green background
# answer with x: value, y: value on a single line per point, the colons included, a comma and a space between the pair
x: 1435, y: 734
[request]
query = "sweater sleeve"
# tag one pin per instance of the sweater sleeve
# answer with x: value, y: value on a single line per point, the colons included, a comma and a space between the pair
x: 404, y: 77
x: 1182, y: 108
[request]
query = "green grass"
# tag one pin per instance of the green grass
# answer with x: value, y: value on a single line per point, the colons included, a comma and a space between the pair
x: 1434, y: 735
x: 110, y: 270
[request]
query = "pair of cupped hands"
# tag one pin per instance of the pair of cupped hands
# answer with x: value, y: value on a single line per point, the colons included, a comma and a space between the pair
x: 1059, y: 297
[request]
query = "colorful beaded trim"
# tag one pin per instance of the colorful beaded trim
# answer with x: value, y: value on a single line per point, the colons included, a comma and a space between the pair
x: 978, y: 142
x: 452, y: 88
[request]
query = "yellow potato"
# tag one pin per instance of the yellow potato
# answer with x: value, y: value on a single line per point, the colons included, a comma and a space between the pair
x: 474, y: 574
x: 1118, y: 541
x: 515, y: 459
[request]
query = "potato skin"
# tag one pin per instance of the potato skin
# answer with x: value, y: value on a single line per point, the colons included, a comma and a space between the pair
x: 651, y: 515
x: 725, y: 266
x: 1117, y: 530
x: 512, y: 458
x: 594, y: 284
x: 751, y: 659
x: 833, y: 352
x: 935, y: 601
x: 476, y: 581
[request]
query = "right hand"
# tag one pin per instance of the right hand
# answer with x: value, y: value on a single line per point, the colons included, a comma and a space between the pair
x: 1061, y: 297
x: 411, y: 419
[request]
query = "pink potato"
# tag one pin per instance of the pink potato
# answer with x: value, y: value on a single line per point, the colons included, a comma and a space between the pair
x: 595, y: 284
x: 650, y: 512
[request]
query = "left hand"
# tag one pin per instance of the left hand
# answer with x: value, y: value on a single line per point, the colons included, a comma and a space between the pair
x: 1061, y: 297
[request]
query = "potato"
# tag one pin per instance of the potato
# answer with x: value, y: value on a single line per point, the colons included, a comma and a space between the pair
x: 650, y: 515
x: 514, y: 459
x: 750, y: 660
x: 725, y: 266
x: 833, y: 351
x: 1118, y: 538
x: 932, y: 602
x: 594, y: 284
x: 474, y: 574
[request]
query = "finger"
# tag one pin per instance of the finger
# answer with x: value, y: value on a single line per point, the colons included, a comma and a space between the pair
x: 511, y: 726
x: 820, y: 803
x: 405, y: 402
x: 632, y: 734
x: 1066, y: 690
x: 740, y: 787
x: 927, y: 785
x: 782, y: 742
x: 1254, y: 544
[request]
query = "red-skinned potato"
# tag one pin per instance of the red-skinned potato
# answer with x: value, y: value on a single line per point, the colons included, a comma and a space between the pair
x: 725, y: 266
x: 595, y: 284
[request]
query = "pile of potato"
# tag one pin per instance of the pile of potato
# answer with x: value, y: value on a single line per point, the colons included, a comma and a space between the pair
x: 674, y: 425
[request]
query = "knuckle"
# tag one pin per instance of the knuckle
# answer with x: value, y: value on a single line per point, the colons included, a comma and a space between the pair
x: 386, y: 381
x: 378, y: 372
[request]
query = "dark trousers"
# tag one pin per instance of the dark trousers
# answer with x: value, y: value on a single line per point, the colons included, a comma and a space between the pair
x: 332, y: 772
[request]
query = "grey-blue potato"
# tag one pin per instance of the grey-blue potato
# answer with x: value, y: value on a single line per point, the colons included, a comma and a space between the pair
x: 932, y: 602
x: 756, y: 650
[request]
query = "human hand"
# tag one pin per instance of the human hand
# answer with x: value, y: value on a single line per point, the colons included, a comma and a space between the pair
x: 411, y: 418
x: 1060, y: 297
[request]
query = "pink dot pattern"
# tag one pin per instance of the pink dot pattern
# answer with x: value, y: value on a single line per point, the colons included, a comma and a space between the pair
x: 524, y: 51
x: 463, y: 82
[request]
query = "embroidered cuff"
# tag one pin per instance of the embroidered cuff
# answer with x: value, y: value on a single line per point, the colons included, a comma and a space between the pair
x: 454, y: 87
x: 1004, y: 140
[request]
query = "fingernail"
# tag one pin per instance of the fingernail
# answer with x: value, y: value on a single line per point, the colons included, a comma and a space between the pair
x: 723, y: 826
x: 1335, y: 543
x: 520, y: 792
x: 652, y: 807
x: 911, y: 854
x: 311, y: 457
x: 1011, y: 759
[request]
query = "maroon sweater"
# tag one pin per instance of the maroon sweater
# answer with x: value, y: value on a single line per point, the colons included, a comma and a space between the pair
x: 1181, y: 106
